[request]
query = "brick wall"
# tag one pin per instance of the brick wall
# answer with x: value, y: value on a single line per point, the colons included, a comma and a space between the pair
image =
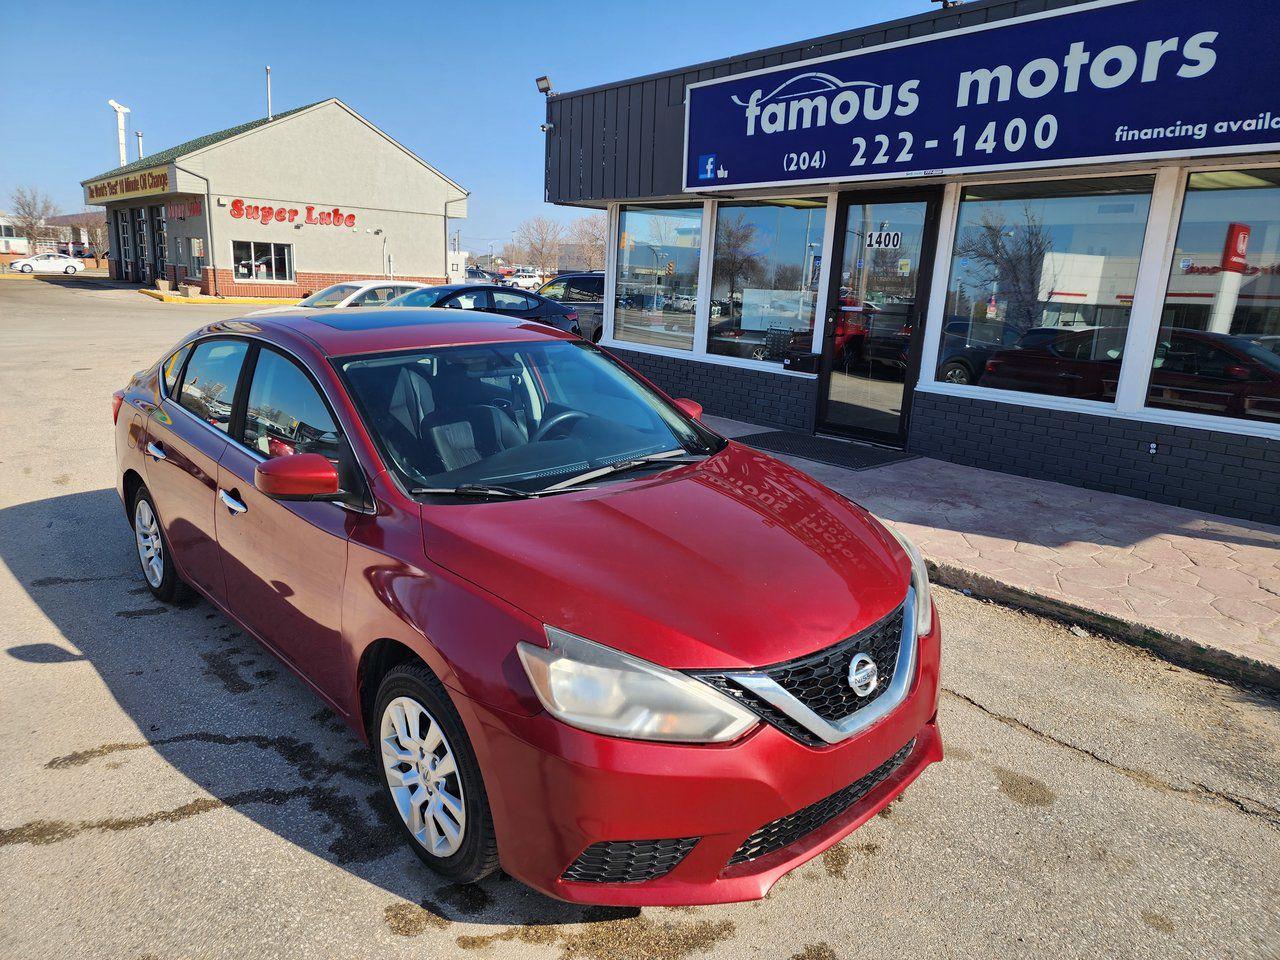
x: 773, y: 399
x: 304, y: 284
x: 1202, y: 469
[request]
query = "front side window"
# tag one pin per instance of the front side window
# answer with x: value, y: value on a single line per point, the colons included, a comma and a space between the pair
x: 524, y: 416
x: 583, y: 290
x: 1217, y: 352
x: 262, y: 261
x: 172, y: 367
x: 555, y: 290
x: 330, y: 296
x: 209, y: 384
x: 471, y: 300
x: 656, y: 286
x: 1041, y: 285
x: 764, y: 277
x: 286, y: 414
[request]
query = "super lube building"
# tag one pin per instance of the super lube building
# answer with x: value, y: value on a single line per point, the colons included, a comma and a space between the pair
x: 1042, y: 238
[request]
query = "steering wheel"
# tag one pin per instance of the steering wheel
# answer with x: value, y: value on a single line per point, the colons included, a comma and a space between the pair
x: 548, y: 425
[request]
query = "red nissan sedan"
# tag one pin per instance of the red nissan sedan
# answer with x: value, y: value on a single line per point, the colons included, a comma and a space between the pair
x: 589, y: 640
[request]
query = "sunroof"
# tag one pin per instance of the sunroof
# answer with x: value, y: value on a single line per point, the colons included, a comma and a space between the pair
x: 377, y: 318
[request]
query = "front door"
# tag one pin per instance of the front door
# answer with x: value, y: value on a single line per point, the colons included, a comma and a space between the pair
x: 875, y: 313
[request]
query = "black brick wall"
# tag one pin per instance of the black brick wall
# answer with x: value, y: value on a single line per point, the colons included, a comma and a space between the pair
x: 1201, y: 469
x: 773, y: 399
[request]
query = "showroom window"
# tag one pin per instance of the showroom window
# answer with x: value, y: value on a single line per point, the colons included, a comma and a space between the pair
x: 656, y: 284
x: 1218, y: 351
x: 1041, y: 285
x: 764, y: 277
x: 262, y: 261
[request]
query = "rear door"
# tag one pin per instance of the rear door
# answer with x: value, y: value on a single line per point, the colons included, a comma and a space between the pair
x: 513, y: 303
x: 186, y: 436
x: 285, y: 561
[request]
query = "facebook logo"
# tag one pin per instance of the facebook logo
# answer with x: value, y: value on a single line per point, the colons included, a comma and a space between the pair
x: 707, y: 166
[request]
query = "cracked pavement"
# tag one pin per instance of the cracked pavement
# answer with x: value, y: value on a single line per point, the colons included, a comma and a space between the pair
x: 172, y: 792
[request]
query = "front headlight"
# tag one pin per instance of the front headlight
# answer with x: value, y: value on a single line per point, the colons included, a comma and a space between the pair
x: 603, y: 690
x: 919, y: 582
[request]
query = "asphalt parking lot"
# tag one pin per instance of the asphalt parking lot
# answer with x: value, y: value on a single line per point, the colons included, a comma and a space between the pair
x: 172, y: 792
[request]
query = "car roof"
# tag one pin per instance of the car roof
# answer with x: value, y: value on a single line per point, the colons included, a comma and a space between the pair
x: 358, y: 330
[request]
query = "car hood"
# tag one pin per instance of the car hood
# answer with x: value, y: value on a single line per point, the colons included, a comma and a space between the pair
x: 280, y: 309
x: 739, y: 560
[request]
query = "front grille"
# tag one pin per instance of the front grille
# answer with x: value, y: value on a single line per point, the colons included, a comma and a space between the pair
x: 821, y: 680
x: 787, y: 830
x: 628, y: 861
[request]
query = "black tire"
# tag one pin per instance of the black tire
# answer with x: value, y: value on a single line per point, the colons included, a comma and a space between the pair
x: 70, y: 271
x: 598, y: 334
x: 171, y: 588
x: 477, y: 857
x: 27, y: 268
x: 954, y: 371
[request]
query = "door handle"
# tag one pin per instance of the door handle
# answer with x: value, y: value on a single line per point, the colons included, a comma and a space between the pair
x: 234, y: 506
x: 156, y: 452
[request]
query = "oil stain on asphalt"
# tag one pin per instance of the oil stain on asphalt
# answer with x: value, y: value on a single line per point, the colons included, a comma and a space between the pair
x: 1022, y: 789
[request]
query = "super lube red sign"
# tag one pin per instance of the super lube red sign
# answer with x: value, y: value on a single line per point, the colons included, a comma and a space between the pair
x: 268, y: 213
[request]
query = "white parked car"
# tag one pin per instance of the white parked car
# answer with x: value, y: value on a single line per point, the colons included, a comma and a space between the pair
x: 352, y: 293
x: 48, y: 263
x: 525, y: 280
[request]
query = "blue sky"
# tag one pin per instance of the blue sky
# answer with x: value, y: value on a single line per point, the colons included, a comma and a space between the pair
x: 452, y: 82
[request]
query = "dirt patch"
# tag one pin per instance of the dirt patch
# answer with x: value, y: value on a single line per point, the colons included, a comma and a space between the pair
x: 1157, y: 921
x: 836, y: 860
x: 412, y: 920
x: 815, y: 951
x: 631, y: 938
x: 1022, y: 789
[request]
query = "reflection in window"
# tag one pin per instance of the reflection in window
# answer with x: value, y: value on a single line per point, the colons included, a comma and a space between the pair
x: 1219, y: 346
x: 657, y: 275
x: 262, y: 261
x: 1042, y: 279
x: 764, y: 279
x: 209, y: 383
x: 285, y: 414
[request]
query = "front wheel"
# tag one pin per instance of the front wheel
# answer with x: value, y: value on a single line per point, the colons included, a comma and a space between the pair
x: 69, y: 271
x: 27, y: 268
x: 955, y: 372
x: 432, y: 776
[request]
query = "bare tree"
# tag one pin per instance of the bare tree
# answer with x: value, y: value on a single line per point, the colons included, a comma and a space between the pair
x: 589, y: 234
x: 94, y: 225
x: 30, y: 209
x: 512, y: 254
x: 542, y: 238
x: 1009, y: 259
x: 737, y: 262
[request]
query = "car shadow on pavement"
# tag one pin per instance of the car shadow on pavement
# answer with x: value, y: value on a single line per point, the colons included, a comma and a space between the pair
x: 213, y: 704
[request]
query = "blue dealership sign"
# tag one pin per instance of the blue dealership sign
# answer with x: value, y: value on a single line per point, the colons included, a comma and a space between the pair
x: 1106, y: 81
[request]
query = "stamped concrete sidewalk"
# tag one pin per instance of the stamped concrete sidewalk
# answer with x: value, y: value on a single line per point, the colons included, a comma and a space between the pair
x: 1202, y: 590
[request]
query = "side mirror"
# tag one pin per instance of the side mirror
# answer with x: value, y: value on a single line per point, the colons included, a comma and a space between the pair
x: 303, y: 476
x: 691, y: 407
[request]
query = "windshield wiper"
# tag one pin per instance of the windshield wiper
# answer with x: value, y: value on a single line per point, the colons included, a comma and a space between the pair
x: 475, y: 490
x: 667, y: 456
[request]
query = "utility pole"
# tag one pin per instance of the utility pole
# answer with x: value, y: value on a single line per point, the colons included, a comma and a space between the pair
x: 120, y: 112
x: 138, y: 134
x: 269, y: 113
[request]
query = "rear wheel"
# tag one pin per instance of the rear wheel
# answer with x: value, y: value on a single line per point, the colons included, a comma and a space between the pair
x: 955, y: 372
x: 153, y: 551
x: 432, y: 776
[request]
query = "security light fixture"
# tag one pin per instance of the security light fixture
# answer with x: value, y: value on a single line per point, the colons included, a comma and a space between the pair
x: 544, y: 86
x: 546, y: 127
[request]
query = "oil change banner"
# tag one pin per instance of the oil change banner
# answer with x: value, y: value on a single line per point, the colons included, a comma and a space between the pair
x: 1119, y: 79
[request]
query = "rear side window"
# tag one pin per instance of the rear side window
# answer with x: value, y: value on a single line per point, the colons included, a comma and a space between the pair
x: 508, y: 300
x: 173, y: 367
x: 209, y: 385
x: 286, y: 414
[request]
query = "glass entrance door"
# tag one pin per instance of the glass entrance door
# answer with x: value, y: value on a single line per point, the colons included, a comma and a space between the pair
x: 875, y: 315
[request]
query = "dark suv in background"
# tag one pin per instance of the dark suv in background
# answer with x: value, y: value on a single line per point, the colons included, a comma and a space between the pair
x: 583, y: 293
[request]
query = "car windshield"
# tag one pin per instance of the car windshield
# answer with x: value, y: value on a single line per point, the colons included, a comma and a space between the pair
x: 330, y: 296
x: 524, y: 417
x: 424, y: 297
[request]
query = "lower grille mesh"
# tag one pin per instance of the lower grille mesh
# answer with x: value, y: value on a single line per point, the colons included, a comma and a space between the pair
x: 787, y: 830
x: 628, y: 861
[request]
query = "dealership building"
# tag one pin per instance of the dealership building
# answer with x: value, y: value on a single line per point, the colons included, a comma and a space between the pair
x: 1036, y: 237
x: 280, y: 207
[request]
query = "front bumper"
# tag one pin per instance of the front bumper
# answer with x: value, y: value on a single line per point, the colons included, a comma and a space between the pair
x: 556, y: 790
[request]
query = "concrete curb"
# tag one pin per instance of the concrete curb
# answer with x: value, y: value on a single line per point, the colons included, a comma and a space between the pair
x: 178, y: 298
x: 1182, y: 651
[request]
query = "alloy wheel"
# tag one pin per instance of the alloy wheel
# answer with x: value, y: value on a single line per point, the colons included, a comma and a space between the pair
x: 146, y: 529
x: 422, y: 774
